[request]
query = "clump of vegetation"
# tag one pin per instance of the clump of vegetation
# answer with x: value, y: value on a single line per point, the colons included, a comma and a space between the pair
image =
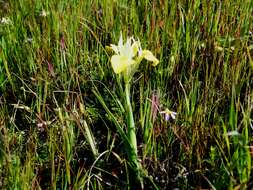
x: 77, y: 114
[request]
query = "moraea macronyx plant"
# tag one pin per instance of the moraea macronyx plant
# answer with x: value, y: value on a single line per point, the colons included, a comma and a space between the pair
x: 126, y: 62
x: 129, y: 55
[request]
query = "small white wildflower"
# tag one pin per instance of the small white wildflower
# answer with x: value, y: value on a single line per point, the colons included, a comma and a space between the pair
x: 5, y: 20
x: 232, y: 48
x: 40, y: 125
x: 232, y: 133
x: 44, y: 13
x: 29, y: 40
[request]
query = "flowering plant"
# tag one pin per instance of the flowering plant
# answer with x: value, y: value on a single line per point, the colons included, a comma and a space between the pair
x: 168, y: 114
x: 126, y: 61
x: 129, y: 55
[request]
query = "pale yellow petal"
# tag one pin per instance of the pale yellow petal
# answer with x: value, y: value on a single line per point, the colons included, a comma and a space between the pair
x: 120, y: 44
x: 135, y: 48
x: 115, y: 48
x: 120, y: 63
x: 150, y: 57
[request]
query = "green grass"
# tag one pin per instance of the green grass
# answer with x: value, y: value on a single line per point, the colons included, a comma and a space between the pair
x: 62, y: 109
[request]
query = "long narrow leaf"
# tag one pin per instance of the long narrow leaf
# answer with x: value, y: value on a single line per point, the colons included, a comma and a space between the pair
x: 112, y: 117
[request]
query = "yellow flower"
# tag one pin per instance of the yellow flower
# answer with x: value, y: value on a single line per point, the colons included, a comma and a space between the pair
x: 150, y: 57
x: 129, y: 54
x: 120, y: 63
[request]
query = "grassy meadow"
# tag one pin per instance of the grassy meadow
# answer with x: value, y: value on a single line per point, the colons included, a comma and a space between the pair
x: 66, y: 116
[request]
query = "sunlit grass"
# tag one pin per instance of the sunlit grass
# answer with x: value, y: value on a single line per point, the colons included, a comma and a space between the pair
x: 62, y: 110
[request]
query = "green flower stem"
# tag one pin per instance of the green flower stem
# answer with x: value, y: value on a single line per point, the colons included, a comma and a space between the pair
x: 133, y: 155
